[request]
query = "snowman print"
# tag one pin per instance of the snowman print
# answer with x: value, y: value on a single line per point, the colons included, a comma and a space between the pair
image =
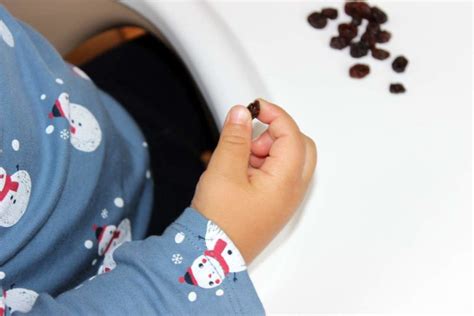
x: 6, y: 35
x: 219, y: 260
x: 17, y: 300
x: 15, y: 193
x: 109, y: 238
x: 86, y: 134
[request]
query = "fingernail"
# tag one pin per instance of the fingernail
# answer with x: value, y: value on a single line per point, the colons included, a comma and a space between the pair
x: 238, y: 115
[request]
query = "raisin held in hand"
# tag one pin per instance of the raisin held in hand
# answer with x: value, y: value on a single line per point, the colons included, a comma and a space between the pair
x: 378, y: 16
x: 359, y: 71
x: 399, y: 64
x: 317, y: 20
x: 329, y: 13
x: 359, y: 49
x: 347, y: 31
x: 383, y: 37
x: 397, y: 88
x: 338, y: 42
x: 380, y: 54
x: 254, y: 108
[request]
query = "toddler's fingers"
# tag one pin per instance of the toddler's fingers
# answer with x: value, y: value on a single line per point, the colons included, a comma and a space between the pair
x: 311, y: 158
x: 255, y: 161
x: 287, y: 153
x: 270, y: 112
x: 231, y: 156
x: 261, y: 146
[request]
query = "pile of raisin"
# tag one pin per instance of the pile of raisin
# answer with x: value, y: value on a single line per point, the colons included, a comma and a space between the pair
x: 368, y: 40
x: 319, y: 20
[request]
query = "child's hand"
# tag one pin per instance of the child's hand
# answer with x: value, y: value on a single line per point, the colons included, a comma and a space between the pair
x: 251, y: 189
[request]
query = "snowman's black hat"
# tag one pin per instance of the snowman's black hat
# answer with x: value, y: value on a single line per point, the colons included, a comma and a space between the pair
x: 56, y: 111
x: 188, y: 279
x: 98, y: 231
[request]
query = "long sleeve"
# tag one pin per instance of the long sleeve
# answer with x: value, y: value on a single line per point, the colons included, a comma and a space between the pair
x: 76, y: 188
x: 193, y: 268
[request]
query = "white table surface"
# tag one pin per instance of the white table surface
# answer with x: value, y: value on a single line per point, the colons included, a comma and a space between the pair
x: 386, y: 226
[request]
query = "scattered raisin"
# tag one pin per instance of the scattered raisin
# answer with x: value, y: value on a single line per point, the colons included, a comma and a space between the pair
x: 338, y: 42
x: 356, y: 21
x: 373, y: 35
x: 399, y: 64
x: 329, y: 13
x: 317, y: 20
x: 347, y: 31
x: 368, y: 39
x: 378, y: 16
x: 380, y: 54
x: 397, y: 88
x: 359, y: 49
x: 383, y: 37
x: 359, y: 71
x: 254, y: 108
x: 357, y: 9
x: 372, y: 28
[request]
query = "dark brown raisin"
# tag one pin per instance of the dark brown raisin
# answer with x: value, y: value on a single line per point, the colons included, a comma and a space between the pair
x: 356, y: 21
x: 254, y: 108
x: 347, y: 31
x: 317, y: 20
x: 338, y: 42
x: 359, y: 71
x: 378, y: 16
x: 397, y: 88
x: 383, y: 37
x: 359, y: 49
x: 368, y: 39
x: 399, y: 64
x: 372, y: 28
x: 329, y: 13
x: 380, y: 54
x: 357, y: 9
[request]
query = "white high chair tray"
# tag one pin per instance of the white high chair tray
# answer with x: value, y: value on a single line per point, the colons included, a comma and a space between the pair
x: 386, y: 225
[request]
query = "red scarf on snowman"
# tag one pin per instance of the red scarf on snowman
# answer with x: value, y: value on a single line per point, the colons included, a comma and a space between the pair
x: 9, y: 186
x: 216, y: 253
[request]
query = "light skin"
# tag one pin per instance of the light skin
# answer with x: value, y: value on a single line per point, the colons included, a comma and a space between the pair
x: 252, y: 188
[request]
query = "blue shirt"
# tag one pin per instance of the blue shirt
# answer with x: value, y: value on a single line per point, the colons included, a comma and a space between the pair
x: 75, y: 200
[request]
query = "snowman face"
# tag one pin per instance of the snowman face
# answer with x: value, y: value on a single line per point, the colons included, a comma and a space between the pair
x: 107, y: 235
x: 124, y: 234
x: 3, y: 178
x: 6, y: 35
x: 86, y: 134
x: 204, y: 270
x: 21, y: 300
x: 63, y: 101
x: 233, y: 258
x: 108, y: 264
x: 15, y: 202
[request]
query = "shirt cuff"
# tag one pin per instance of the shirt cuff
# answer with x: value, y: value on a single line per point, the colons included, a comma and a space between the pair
x: 215, y: 268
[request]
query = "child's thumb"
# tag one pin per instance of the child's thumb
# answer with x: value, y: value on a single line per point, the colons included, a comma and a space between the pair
x: 231, y: 156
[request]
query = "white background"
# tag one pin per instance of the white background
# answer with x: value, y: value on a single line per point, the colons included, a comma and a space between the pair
x: 386, y: 226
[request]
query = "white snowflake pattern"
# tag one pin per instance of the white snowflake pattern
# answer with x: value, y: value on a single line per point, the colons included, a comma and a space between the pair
x: 177, y: 258
x: 104, y: 213
x: 64, y: 134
